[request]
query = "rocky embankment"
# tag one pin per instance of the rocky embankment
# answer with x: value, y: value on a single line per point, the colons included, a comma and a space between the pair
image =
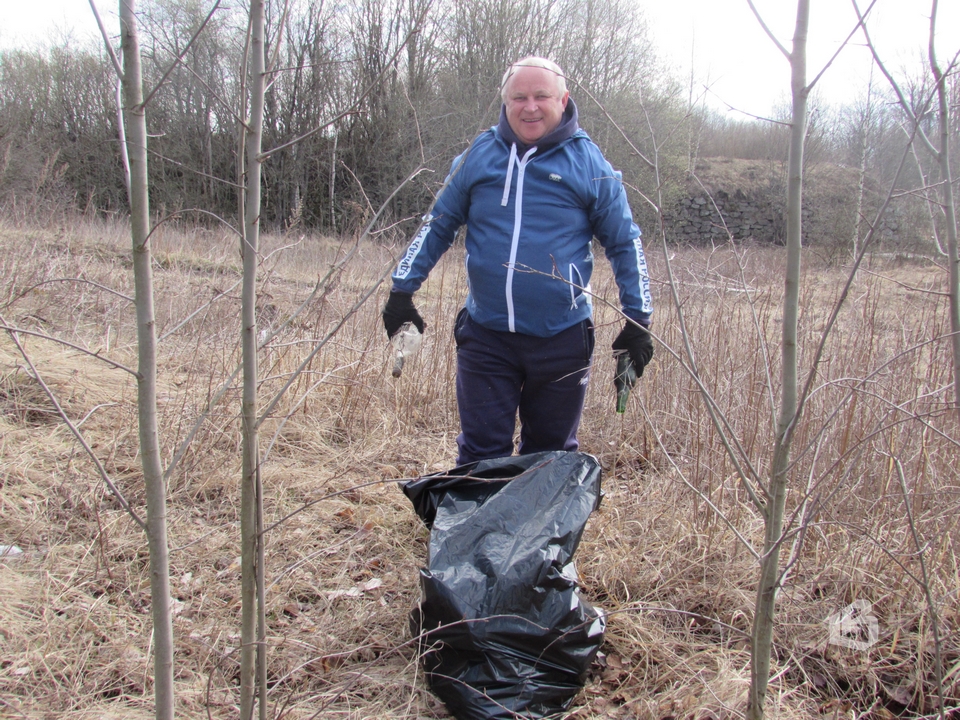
x: 745, y: 200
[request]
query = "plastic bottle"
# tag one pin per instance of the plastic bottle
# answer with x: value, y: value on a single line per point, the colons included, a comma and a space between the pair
x: 405, y: 344
x: 624, y: 380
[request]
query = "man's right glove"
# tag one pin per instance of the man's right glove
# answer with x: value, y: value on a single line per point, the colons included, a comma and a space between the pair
x: 638, y: 343
x: 399, y: 310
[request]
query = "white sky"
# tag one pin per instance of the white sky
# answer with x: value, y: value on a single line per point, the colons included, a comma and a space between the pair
x: 746, y: 70
x: 723, y: 37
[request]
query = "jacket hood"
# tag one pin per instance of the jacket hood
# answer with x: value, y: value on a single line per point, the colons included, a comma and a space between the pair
x: 569, y: 124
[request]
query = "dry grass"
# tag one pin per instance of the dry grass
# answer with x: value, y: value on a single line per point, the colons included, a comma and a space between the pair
x: 342, y: 573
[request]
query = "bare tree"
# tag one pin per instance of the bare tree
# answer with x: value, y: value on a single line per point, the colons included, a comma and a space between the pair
x: 941, y: 154
x: 251, y: 543
x: 793, y: 397
x: 775, y: 494
x: 864, y: 124
x: 136, y: 144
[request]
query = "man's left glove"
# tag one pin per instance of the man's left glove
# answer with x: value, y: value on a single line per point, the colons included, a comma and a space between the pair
x: 399, y: 310
x: 638, y: 343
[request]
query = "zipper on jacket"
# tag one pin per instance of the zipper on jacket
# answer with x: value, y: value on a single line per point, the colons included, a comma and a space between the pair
x: 517, y: 215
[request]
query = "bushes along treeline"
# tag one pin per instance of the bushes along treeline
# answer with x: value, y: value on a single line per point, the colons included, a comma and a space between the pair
x: 379, y: 88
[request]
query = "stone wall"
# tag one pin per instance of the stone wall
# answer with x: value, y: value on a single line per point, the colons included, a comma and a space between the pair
x: 745, y: 199
x: 700, y: 218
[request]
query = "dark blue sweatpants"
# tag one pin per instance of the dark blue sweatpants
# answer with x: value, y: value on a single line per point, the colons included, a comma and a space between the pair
x: 501, y: 373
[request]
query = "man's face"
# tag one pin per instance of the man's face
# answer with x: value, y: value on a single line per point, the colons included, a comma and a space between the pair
x: 534, y: 106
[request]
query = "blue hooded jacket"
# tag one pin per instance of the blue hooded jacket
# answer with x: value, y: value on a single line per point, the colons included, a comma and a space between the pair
x: 531, y: 214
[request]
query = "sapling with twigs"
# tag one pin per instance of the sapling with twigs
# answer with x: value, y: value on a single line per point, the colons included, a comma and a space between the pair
x: 940, y: 152
x: 768, y: 495
x: 156, y: 493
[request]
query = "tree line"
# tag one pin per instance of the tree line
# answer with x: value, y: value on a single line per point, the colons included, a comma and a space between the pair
x: 374, y: 88
x: 366, y: 92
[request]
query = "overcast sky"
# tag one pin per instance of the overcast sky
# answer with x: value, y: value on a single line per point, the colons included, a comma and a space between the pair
x: 744, y: 69
x: 722, y: 37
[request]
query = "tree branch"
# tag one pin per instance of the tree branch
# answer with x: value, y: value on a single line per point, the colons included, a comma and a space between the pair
x: 30, y: 289
x: 11, y: 329
x: 176, y: 62
x: 76, y: 432
x: 350, y: 111
x: 829, y: 62
x: 896, y: 87
x: 763, y: 25
x: 106, y: 41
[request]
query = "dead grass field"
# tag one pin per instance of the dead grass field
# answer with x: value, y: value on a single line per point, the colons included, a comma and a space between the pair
x: 661, y: 556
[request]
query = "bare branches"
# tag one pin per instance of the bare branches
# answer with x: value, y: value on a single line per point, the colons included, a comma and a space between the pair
x: 768, y: 31
x: 75, y: 430
x: 895, y: 86
x: 26, y: 291
x: 199, y: 173
x: 106, y: 41
x: 844, y: 44
x: 359, y: 303
x: 387, y: 68
x: 942, y: 156
x: 72, y: 346
x: 921, y: 559
x: 703, y: 496
x: 179, y: 58
x: 200, y: 308
x: 818, y: 354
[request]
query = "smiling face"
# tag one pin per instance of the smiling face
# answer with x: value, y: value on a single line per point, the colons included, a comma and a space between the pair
x: 534, y: 103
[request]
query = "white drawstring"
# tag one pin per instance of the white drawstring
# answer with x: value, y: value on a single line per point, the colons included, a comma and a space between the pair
x: 573, y: 295
x: 510, y: 162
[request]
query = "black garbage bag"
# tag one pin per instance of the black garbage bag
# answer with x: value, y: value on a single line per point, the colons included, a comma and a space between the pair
x: 504, y: 633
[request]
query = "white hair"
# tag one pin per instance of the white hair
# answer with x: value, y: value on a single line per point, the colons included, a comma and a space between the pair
x: 533, y: 61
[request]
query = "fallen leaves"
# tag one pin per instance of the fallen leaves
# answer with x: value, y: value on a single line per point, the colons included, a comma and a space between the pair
x: 355, y: 591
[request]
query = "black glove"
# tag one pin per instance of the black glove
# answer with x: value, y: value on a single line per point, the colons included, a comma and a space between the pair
x: 636, y: 341
x: 399, y: 310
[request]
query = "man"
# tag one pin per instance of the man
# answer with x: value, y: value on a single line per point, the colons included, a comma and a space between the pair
x: 533, y: 192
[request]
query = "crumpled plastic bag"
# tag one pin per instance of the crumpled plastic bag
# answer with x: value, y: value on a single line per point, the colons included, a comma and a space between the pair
x: 503, y: 631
